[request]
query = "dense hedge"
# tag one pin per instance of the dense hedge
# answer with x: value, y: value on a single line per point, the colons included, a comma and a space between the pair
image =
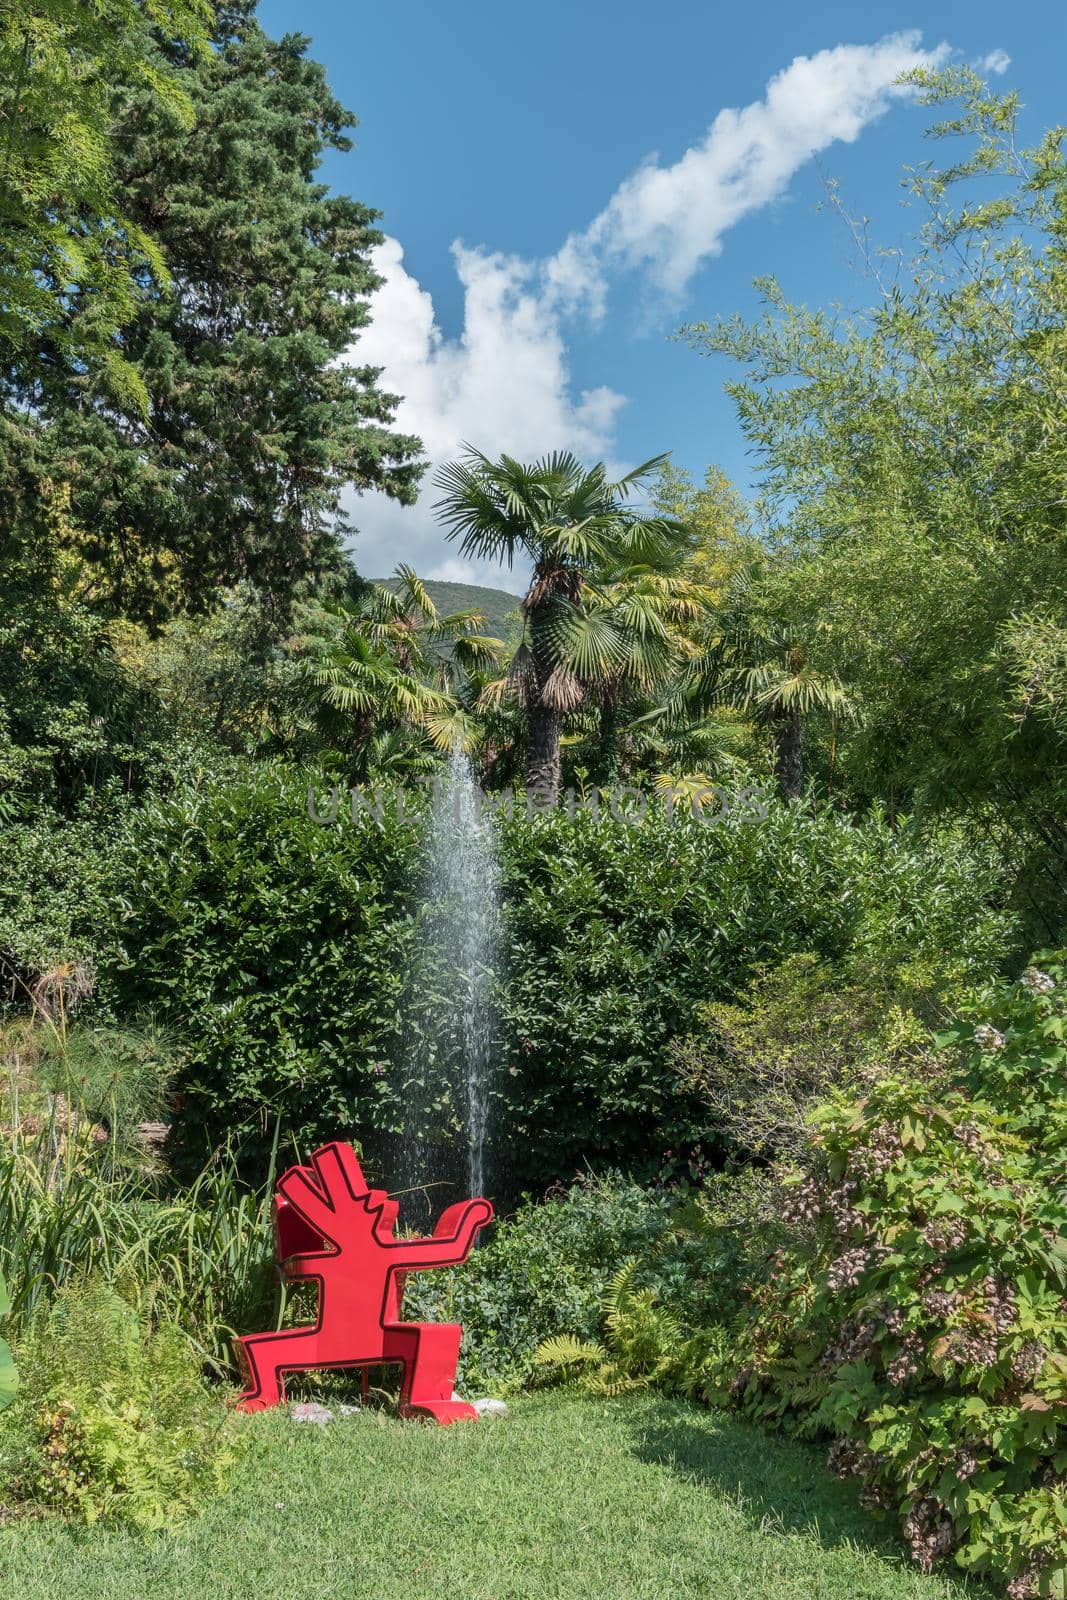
x: 283, y: 950
x: 278, y: 949
x: 54, y: 891
x: 618, y: 933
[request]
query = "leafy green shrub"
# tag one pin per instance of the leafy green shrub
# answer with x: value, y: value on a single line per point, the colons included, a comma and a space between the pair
x: 547, y: 1270
x: 762, y: 1063
x: 279, y: 948
x: 618, y: 934
x: 666, y: 1307
x: 55, y: 891
x: 643, y: 1341
x: 919, y: 1313
x: 284, y: 952
x: 113, y: 1420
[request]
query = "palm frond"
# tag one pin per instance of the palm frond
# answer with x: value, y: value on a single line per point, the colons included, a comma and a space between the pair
x: 415, y: 592
x: 636, y: 476
x: 522, y: 675
x: 493, y: 695
x: 474, y: 650
x: 587, y: 642
x: 456, y: 727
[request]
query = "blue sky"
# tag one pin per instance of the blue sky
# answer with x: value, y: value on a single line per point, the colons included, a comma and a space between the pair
x: 492, y: 134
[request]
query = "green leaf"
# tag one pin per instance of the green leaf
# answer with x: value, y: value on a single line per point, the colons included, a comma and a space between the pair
x: 9, y: 1378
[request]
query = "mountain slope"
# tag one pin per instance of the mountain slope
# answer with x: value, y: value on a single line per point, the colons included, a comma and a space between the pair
x: 500, y: 609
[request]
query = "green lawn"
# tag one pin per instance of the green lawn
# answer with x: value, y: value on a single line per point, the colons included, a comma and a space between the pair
x: 564, y: 1500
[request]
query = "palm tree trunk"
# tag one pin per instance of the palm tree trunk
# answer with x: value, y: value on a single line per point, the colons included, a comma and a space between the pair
x: 787, y: 731
x: 362, y: 732
x: 544, y: 723
x: 542, y: 752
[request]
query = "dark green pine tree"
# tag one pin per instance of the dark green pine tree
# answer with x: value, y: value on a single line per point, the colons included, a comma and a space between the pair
x: 253, y: 426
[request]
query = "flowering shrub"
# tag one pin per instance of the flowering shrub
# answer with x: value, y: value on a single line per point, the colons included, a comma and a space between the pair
x: 919, y: 1313
x: 1021, y: 1061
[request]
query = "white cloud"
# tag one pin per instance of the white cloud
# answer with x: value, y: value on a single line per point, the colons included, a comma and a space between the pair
x: 504, y: 383
x: 997, y: 61
x: 669, y: 220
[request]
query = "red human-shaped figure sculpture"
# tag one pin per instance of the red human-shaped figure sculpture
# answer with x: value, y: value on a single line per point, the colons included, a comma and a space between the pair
x: 332, y: 1229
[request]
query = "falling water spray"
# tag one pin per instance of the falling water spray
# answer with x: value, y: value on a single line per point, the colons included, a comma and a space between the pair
x: 464, y: 892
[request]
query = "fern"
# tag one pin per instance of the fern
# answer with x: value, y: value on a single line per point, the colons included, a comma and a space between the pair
x: 644, y: 1344
x: 619, y: 1289
x: 563, y: 1358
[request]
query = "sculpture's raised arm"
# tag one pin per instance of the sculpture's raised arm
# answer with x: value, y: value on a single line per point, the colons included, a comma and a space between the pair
x: 452, y: 1237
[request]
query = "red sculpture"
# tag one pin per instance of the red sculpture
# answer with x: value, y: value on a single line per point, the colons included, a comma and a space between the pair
x: 332, y: 1228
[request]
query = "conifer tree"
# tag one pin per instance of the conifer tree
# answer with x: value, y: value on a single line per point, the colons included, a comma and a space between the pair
x: 254, y: 423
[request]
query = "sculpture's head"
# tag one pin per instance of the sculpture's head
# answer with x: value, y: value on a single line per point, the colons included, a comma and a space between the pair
x: 339, y: 1177
x: 383, y: 1210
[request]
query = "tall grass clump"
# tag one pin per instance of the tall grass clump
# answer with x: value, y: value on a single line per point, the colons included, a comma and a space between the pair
x: 84, y: 1192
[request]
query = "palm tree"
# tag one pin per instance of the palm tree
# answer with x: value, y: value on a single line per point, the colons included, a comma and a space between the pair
x: 567, y: 520
x: 393, y: 666
x: 358, y: 687
x: 758, y: 664
x: 624, y: 640
x: 405, y: 620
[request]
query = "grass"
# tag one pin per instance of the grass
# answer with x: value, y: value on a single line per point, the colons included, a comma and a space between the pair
x: 638, y: 1499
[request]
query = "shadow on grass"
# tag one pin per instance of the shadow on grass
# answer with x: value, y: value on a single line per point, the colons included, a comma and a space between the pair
x: 779, y: 1485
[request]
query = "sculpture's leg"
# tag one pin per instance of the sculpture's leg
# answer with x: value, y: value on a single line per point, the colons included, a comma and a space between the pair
x: 266, y: 1356
x: 429, y: 1352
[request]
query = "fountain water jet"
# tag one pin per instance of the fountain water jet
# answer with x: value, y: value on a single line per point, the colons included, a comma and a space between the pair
x: 463, y: 897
